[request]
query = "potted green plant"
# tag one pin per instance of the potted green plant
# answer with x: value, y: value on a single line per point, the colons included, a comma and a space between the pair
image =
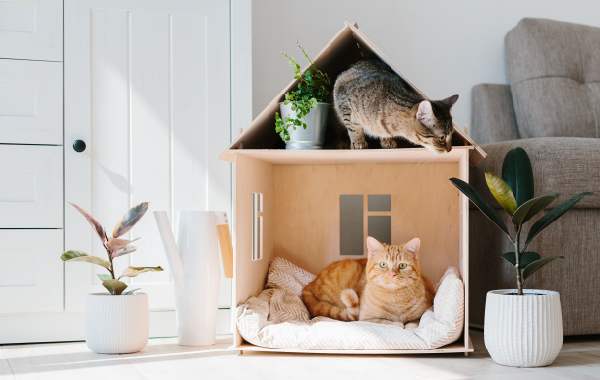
x: 115, y: 322
x: 304, y: 110
x: 522, y: 327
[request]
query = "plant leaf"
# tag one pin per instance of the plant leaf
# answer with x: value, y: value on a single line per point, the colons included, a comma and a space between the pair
x: 104, y: 277
x: 537, y: 264
x: 80, y: 256
x: 501, y: 192
x: 114, y: 287
x: 134, y: 271
x: 130, y: 219
x: 129, y: 292
x: 97, y: 226
x: 124, y: 251
x: 552, y: 215
x: 517, y: 172
x: 115, y: 244
x: 530, y: 208
x: 483, y: 206
x: 525, y: 259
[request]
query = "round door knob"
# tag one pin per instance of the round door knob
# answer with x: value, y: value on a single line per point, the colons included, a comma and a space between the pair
x: 79, y: 146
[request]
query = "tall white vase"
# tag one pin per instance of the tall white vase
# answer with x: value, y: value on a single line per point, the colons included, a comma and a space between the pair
x: 194, y: 261
x: 523, y: 331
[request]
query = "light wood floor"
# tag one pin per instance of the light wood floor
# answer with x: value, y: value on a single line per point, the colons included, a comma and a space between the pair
x: 164, y: 360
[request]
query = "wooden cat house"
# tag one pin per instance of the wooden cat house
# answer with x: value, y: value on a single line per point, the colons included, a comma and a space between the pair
x: 313, y: 207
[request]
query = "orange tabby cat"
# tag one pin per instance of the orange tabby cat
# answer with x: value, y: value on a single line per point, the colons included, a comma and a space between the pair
x: 386, y: 286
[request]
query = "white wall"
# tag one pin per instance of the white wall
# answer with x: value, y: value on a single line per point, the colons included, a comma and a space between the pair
x: 441, y: 46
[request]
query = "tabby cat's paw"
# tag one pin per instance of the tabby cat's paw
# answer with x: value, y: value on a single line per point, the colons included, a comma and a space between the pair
x: 389, y: 143
x: 361, y: 144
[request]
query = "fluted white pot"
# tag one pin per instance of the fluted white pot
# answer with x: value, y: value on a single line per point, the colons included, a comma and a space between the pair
x: 116, y: 324
x: 523, y: 331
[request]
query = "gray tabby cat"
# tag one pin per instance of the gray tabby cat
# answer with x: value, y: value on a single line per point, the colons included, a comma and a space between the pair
x: 371, y: 99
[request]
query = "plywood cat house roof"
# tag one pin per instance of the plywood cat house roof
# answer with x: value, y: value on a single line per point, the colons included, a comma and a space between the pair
x: 346, y: 47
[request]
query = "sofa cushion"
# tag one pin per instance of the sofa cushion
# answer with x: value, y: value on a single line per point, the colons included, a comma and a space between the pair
x: 566, y: 165
x: 554, y: 71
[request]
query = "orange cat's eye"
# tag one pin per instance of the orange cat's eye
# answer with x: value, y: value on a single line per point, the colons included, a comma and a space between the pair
x: 402, y: 265
x: 382, y: 264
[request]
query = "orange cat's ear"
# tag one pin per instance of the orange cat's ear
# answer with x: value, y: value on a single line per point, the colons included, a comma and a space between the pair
x: 373, y: 246
x: 413, y: 245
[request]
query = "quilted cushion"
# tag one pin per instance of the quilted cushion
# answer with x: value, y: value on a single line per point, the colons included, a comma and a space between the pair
x: 554, y: 71
x: 277, y: 318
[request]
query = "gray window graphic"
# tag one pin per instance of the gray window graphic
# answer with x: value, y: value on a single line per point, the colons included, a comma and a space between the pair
x: 354, y: 227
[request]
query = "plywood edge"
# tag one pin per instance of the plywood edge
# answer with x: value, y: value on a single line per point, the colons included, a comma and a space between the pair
x: 453, y: 348
x: 340, y: 156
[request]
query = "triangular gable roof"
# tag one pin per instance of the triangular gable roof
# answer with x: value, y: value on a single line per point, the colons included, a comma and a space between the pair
x: 346, y: 47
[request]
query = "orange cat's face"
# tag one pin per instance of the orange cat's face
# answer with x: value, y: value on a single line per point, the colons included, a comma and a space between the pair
x: 393, y: 266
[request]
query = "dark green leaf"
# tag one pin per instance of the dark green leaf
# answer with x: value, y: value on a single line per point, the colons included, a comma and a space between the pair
x: 525, y: 259
x: 130, y: 219
x: 478, y: 201
x: 114, y: 287
x: 84, y: 257
x: 535, y: 265
x: 553, y: 215
x: 517, y: 172
x: 530, y: 208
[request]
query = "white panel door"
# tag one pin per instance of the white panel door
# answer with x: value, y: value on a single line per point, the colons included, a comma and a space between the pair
x: 147, y: 89
x: 31, y: 29
x: 31, y: 102
x: 31, y: 192
x: 33, y: 280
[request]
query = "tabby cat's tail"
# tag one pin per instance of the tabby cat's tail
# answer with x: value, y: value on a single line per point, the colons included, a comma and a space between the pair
x: 317, y: 307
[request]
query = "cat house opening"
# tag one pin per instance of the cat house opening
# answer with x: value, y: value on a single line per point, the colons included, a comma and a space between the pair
x: 318, y: 206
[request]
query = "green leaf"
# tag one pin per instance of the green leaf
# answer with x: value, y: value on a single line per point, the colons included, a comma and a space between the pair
x: 525, y: 259
x: 478, y: 201
x: 93, y: 222
x: 80, y: 256
x: 517, y: 172
x: 134, y: 271
x: 530, y: 208
x: 553, y: 215
x: 501, y: 192
x: 130, y: 219
x: 114, y: 287
x: 536, y: 265
x: 104, y: 277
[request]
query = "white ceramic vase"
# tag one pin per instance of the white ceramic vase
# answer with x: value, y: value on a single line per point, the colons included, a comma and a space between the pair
x: 523, y: 331
x: 116, y: 324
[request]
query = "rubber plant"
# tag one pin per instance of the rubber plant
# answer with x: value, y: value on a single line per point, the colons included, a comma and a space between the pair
x: 115, y: 246
x: 514, y: 192
x: 313, y: 86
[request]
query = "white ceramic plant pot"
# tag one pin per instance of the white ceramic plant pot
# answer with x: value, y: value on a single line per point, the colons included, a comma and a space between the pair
x: 523, y: 331
x: 116, y: 324
x: 313, y: 137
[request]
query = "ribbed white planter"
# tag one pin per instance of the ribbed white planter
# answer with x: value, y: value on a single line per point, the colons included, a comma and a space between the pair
x: 116, y: 324
x: 523, y: 331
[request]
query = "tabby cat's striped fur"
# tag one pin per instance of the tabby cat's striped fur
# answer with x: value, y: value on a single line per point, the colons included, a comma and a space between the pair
x: 388, y: 285
x: 370, y: 99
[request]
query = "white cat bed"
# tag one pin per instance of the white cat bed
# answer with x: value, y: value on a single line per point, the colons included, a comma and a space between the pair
x: 277, y: 318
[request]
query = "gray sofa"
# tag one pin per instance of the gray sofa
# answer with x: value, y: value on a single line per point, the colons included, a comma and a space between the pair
x: 551, y: 109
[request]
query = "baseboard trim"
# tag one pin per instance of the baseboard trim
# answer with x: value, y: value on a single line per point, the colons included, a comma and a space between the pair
x: 69, y: 326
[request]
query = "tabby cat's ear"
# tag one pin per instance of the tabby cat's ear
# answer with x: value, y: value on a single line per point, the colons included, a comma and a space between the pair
x: 425, y: 114
x: 413, y: 245
x: 450, y: 100
x: 373, y: 246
